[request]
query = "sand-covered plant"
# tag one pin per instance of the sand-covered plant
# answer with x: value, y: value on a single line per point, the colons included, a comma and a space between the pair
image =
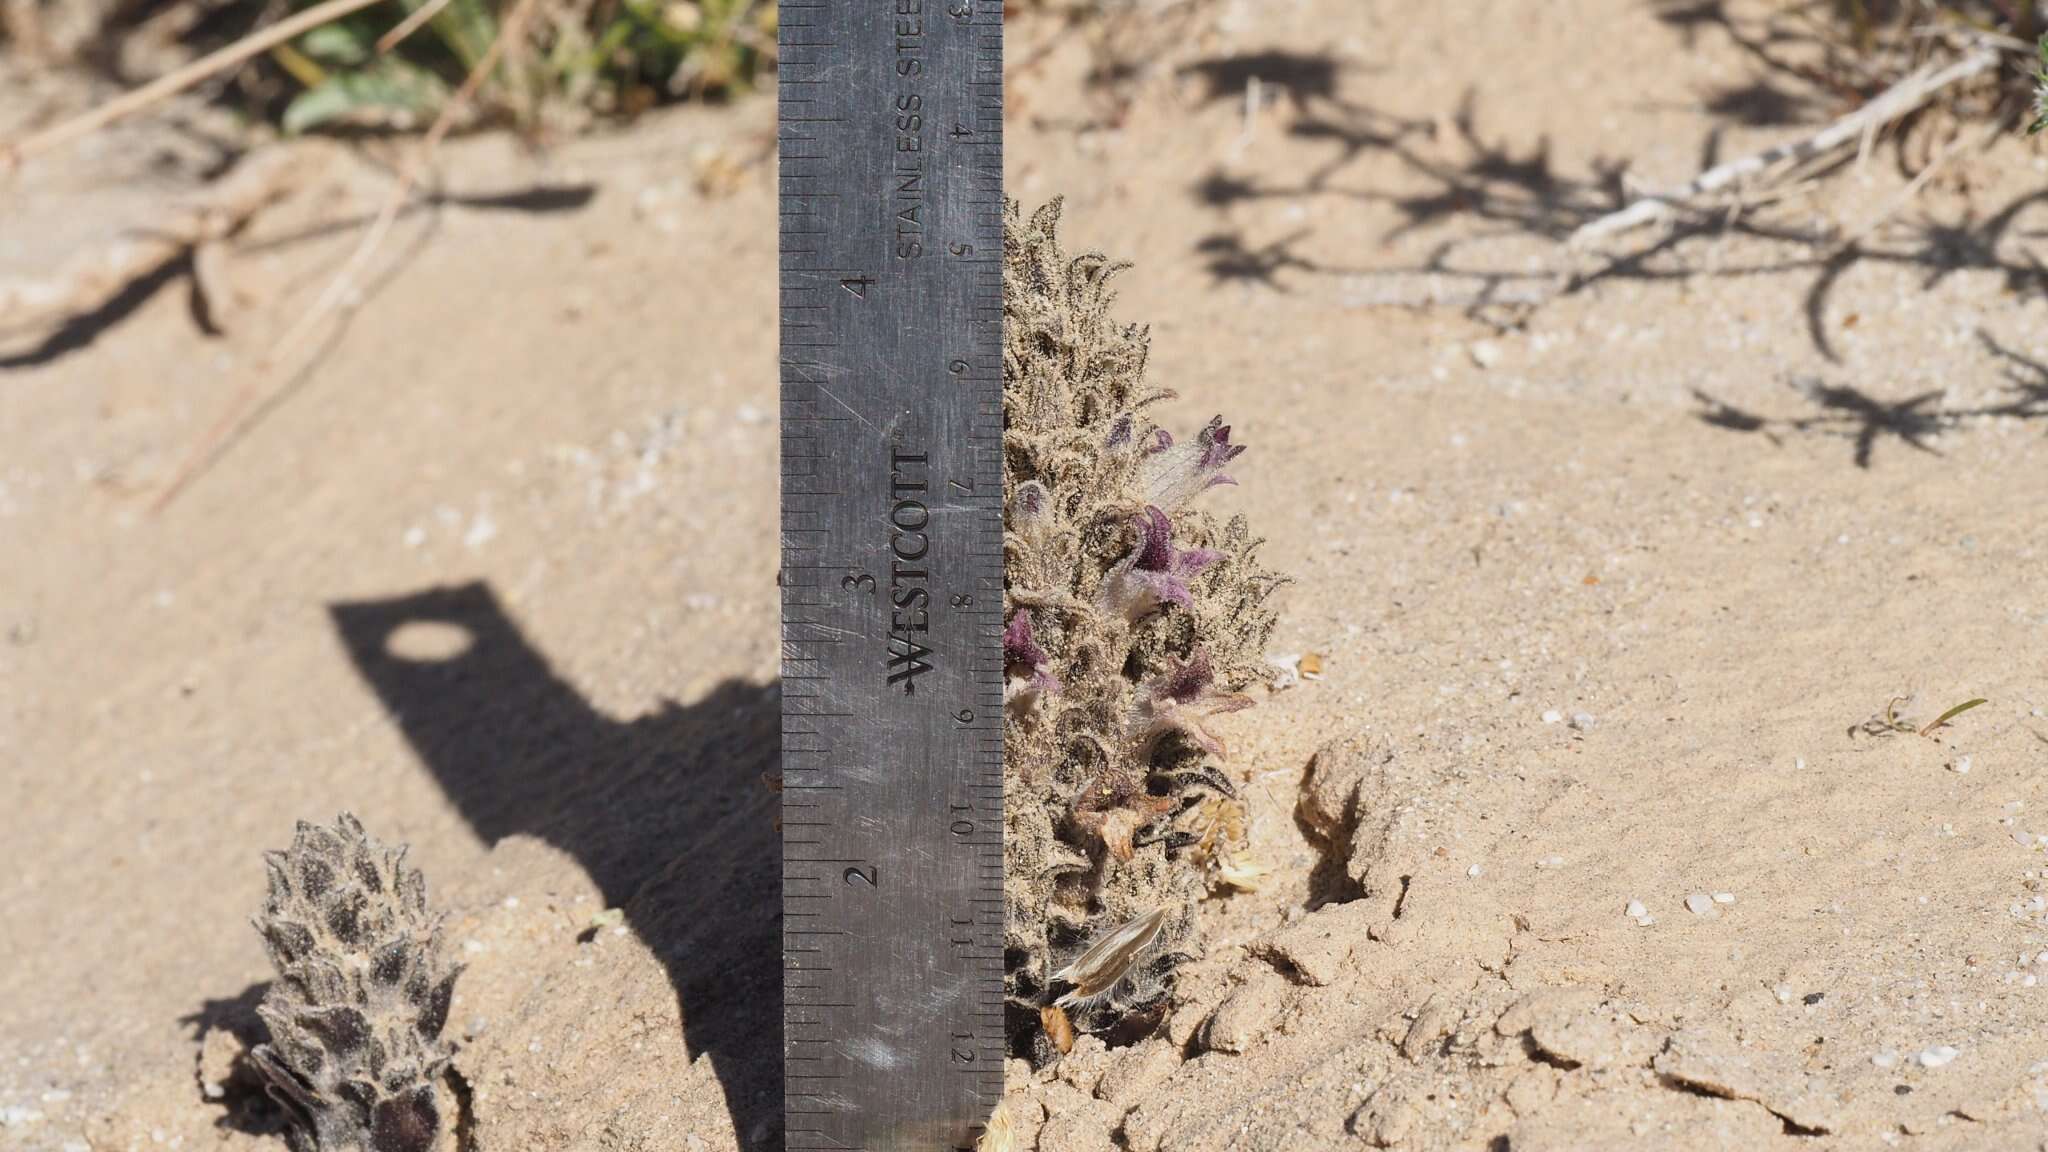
x: 361, y: 995
x: 1132, y: 617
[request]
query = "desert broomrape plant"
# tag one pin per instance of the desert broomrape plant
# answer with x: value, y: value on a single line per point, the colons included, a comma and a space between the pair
x: 355, y: 1014
x: 1132, y: 618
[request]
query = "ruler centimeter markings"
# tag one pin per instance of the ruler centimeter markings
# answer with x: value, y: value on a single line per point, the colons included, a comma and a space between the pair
x: 891, y: 197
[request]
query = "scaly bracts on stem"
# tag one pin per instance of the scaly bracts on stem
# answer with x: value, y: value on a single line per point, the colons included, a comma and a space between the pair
x: 1132, y: 618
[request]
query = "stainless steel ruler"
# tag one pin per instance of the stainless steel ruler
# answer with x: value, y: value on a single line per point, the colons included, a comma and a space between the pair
x: 892, y: 570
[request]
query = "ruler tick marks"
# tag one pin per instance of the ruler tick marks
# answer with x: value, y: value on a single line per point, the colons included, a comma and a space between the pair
x: 891, y: 201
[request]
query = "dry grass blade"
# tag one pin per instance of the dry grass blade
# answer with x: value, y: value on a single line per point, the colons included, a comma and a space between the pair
x: 1097, y: 970
x: 1951, y: 714
x: 1889, y: 105
x: 1891, y: 713
x: 410, y: 25
x: 344, y: 282
x: 172, y: 83
x: 1920, y: 181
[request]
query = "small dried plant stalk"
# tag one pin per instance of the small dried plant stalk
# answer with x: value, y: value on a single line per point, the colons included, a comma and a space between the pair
x: 361, y: 995
x: 1131, y: 619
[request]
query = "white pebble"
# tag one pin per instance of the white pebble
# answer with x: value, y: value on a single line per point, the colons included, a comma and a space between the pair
x: 1485, y: 353
x: 1553, y: 716
x: 1473, y: 871
x: 1582, y: 720
x: 1783, y: 992
x: 1885, y: 1058
x: 1699, y: 903
x: 1960, y: 766
x: 1636, y: 910
x: 1724, y: 897
x: 1936, y: 1056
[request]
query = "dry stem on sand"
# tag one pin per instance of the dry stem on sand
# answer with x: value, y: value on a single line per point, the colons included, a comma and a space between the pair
x: 1895, y: 102
x: 256, y: 184
x: 194, y: 229
x: 342, y: 287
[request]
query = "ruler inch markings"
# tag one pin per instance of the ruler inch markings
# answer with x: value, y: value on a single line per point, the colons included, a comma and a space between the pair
x: 890, y: 190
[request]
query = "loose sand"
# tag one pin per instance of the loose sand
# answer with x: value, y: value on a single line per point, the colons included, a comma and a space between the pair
x: 1596, y: 599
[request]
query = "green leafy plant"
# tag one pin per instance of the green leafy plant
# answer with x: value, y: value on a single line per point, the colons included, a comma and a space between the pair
x: 2040, y: 120
x: 1949, y: 715
x: 394, y: 65
x: 357, y: 71
x: 1893, y: 719
x: 708, y: 48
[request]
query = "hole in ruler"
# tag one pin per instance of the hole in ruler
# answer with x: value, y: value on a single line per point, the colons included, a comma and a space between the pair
x: 428, y: 642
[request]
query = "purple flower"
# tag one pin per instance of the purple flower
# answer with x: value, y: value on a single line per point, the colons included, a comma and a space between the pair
x: 1025, y: 660
x: 1123, y: 436
x: 1174, y: 474
x: 1156, y: 573
x: 1177, y: 700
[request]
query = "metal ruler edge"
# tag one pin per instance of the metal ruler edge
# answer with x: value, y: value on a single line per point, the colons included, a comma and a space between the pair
x: 891, y: 209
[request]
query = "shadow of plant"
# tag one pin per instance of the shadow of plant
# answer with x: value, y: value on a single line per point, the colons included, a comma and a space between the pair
x: 79, y: 332
x: 1849, y: 413
x: 224, y: 1030
x: 1449, y: 175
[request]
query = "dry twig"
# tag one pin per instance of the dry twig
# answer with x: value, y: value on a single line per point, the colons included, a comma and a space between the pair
x: 172, y: 83
x: 1904, y: 196
x: 87, y: 284
x: 342, y: 287
x: 410, y: 25
x: 1895, y: 102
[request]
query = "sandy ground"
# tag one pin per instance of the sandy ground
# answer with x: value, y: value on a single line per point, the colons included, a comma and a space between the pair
x: 1589, y: 857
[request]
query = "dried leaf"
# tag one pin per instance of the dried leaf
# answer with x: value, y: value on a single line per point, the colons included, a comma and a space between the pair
x: 1097, y: 970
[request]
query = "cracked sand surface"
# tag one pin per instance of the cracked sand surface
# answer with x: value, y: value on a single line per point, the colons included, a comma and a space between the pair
x: 1626, y: 509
